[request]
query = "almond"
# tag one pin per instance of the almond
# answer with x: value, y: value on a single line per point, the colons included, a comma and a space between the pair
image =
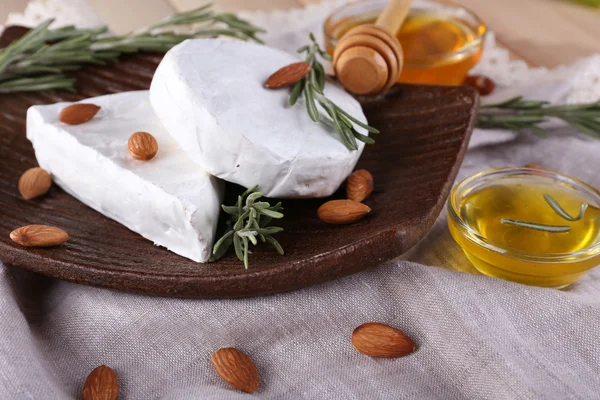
x: 34, y: 182
x: 101, y: 384
x: 359, y: 185
x: 483, y: 84
x: 79, y: 113
x: 288, y: 75
x: 342, y: 211
x: 142, y: 146
x: 534, y: 166
x: 379, y: 340
x: 39, y: 236
x: 236, y: 368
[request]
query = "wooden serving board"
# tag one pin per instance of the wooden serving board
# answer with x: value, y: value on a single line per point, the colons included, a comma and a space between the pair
x: 425, y: 131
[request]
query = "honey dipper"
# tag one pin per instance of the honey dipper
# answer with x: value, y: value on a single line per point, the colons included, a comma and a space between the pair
x: 368, y: 58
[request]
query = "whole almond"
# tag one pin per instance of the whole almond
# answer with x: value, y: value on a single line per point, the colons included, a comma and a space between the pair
x: 101, y: 384
x: 483, y: 84
x: 534, y: 166
x: 342, y: 211
x: 79, y: 113
x: 34, y: 182
x: 39, y: 236
x: 379, y: 340
x: 360, y: 185
x: 142, y: 146
x: 236, y: 368
x: 288, y: 75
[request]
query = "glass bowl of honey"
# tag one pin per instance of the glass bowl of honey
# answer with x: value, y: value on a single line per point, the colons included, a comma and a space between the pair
x: 527, y: 225
x: 441, y: 41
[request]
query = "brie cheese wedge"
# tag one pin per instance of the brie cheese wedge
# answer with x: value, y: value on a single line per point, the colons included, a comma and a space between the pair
x: 168, y: 199
x: 209, y: 94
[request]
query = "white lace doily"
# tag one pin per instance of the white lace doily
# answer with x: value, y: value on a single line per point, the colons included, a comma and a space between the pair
x: 288, y: 30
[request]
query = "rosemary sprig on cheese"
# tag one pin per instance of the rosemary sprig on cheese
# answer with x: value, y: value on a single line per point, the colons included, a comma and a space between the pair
x: 39, y: 60
x: 248, y: 223
x: 312, y: 87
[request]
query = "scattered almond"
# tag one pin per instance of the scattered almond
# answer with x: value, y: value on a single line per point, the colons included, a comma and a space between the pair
x: 39, y: 236
x: 142, y: 146
x: 79, y: 113
x: 236, y: 368
x: 288, y: 75
x: 101, y: 384
x: 359, y: 185
x: 483, y: 84
x: 534, y: 166
x: 379, y: 340
x: 34, y: 182
x: 342, y: 211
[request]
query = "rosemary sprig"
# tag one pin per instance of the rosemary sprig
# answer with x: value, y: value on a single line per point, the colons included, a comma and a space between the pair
x: 561, y: 211
x: 312, y: 88
x: 39, y: 59
x: 248, y: 220
x: 536, y: 226
x: 519, y: 114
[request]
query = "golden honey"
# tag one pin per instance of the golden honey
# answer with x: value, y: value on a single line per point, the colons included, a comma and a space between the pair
x: 555, y: 259
x: 438, y: 46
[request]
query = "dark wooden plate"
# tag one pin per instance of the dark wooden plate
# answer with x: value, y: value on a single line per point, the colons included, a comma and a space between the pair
x: 425, y: 131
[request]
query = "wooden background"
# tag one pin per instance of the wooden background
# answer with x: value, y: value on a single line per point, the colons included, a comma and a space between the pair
x: 543, y: 32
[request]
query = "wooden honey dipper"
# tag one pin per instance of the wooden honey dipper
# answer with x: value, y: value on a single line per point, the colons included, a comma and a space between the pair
x: 368, y: 59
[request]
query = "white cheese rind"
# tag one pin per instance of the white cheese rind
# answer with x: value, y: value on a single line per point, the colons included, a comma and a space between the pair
x: 209, y: 94
x: 169, y: 199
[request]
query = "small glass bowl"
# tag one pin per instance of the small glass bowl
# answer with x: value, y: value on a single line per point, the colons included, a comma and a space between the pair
x: 447, y: 68
x: 556, y: 270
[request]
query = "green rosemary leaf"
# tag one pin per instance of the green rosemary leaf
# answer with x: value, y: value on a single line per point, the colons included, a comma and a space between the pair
x: 220, y: 248
x: 237, y: 245
x: 275, y: 244
x: 309, y: 98
x: 303, y: 49
x: 38, y: 84
x: 241, y: 218
x: 296, y: 92
x: 363, y: 138
x: 319, y: 73
x: 349, y: 134
x: 356, y: 121
x: 252, y: 198
x: 232, y: 210
x: 249, y: 191
x: 271, y: 230
x: 562, y: 212
x: 261, y: 204
x: 248, y: 234
x: 536, y: 226
x: 222, y: 240
x: 342, y: 130
x: 246, y: 251
x: 270, y: 213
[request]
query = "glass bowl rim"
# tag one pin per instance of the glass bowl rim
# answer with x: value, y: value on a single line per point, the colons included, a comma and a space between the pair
x: 466, y: 231
x: 476, y: 43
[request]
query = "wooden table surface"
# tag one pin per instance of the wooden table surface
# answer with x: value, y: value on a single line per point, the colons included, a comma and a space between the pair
x: 543, y: 32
